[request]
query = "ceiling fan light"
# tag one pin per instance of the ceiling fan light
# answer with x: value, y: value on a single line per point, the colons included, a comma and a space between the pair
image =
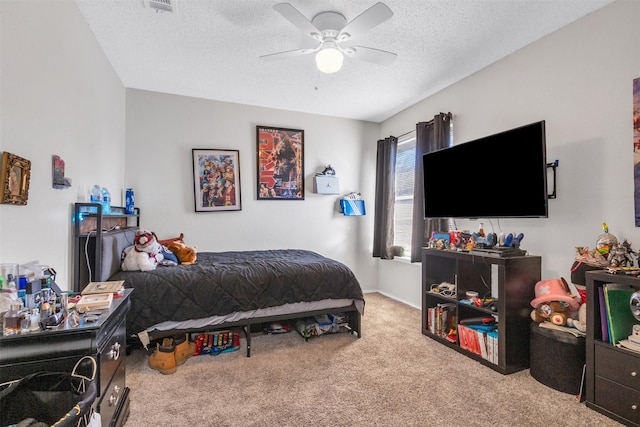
x: 329, y: 60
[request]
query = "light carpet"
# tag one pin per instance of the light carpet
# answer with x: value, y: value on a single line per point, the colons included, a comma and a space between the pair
x: 392, y: 376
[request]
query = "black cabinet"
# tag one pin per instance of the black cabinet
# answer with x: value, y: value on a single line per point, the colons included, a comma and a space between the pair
x: 509, y: 280
x: 59, y: 349
x: 87, y: 241
x: 613, y: 373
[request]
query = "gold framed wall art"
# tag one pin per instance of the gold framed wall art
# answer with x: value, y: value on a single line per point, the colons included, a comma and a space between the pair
x: 16, y: 173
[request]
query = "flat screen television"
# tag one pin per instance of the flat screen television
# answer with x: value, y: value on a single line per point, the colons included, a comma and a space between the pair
x: 498, y: 176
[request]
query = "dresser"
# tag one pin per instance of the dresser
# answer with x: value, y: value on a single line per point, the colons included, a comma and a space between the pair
x: 613, y: 373
x: 59, y: 349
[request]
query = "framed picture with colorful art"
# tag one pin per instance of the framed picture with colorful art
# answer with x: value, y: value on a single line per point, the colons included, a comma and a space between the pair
x: 216, y: 180
x: 280, y: 163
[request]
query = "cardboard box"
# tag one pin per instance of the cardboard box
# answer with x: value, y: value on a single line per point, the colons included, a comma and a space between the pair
x: 327, y: 184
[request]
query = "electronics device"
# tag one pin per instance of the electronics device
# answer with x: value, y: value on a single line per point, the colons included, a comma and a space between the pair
x: 498, y: 176
x: 488, y: 320
x: 498, y: 251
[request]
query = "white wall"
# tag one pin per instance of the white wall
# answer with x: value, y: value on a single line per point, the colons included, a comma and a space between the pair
x: 579, y: 79
x: 163, y: 129
x: 59, y: 95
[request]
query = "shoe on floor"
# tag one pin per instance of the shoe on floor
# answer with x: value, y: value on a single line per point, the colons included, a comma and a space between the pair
x: 184, y: 349
x: 163, y: 359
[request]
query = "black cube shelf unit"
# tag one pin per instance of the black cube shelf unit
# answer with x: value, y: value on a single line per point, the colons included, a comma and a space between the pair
x: 516, y: 278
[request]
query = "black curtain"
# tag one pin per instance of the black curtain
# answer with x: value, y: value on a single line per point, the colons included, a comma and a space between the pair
x: 385, y: 198
x: 430, y: 136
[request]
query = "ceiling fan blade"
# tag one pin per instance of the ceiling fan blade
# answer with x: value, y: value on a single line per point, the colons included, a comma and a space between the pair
x: 288, y: 54
x: 370, y: 54
x: 294, y: 16
x: 370, y: 18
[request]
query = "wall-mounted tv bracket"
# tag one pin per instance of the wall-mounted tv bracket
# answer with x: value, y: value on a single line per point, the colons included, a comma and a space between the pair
x: 553, y: 166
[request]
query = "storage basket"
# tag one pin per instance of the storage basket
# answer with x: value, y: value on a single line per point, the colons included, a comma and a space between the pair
x: 54, y: 398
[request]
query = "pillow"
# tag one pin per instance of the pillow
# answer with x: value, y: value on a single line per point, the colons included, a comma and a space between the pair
x: 169, y: 257
x: 165, y: 242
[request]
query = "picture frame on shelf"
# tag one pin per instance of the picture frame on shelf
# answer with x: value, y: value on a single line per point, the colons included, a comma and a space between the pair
x: 280, y: 163
x: 216, y: 180
x: 16, y: 174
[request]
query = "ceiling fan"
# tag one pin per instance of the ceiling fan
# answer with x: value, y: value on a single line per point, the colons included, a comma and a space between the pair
x: 331, y: 30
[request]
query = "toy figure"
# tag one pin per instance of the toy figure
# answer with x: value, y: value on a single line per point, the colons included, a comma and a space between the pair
x: 619, y: 257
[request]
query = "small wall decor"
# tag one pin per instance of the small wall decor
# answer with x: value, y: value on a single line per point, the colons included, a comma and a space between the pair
x: 280, y: 163
x: 58, y: 180
x: 14, y: 181
x: 216, y: 180
x: 352, y: 205
x: 326, y: 182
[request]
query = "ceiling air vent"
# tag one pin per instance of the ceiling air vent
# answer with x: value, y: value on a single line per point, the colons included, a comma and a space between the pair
x: 161, y: 5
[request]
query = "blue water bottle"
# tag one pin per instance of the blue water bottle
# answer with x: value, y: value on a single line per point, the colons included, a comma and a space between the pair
x: 129, y: 203
x: 106, y: 201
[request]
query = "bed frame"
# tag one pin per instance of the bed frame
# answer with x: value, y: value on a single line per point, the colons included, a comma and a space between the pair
x: 105, y: 260
x: 245, y: 325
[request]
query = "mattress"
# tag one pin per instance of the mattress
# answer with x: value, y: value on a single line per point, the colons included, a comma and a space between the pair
x: 237, y: 283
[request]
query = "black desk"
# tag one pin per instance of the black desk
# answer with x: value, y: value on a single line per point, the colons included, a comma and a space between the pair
x: 59, y: 349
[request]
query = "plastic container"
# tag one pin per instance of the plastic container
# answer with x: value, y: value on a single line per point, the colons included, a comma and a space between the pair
x: 129, y: 202
x: 35, y: 320
x: 96, y: 194
x: 9, y: 279
x: 12, y: 320
x: 22, y: 289
x: 106, y: 201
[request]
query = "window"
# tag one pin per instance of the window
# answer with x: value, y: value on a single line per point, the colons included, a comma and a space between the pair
x: 405, y: 169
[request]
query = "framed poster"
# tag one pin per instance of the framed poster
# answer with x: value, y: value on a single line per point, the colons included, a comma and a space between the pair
x: 16, y: 173
x: 280, y: 163
x: 636, y: 148
x: 216, y: 180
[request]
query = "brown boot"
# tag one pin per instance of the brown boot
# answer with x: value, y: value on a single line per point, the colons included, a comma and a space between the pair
x: 184, y: 349
x: 163, y: 359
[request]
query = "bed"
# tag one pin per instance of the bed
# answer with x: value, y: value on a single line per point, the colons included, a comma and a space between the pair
x: 232, y: 289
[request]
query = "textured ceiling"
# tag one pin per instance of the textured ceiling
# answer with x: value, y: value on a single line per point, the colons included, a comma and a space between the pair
x: 210, y: 49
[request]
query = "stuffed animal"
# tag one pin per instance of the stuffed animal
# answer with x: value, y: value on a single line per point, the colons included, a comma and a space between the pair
x: 144, y: 255
x: 556, y: 312
x: 554, y: 302
x: 581, y: 322
x: 186, y: 255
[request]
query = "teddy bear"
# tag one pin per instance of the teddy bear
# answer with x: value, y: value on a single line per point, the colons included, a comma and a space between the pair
x: 144, y: 255
x: 186, y: 255
x: 556, y: 312
x: 580, y: 323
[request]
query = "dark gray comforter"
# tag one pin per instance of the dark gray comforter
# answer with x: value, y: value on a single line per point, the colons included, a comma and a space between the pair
x: 224, y: 282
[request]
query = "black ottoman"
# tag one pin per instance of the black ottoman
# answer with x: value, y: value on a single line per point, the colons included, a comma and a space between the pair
x: 556, y: 358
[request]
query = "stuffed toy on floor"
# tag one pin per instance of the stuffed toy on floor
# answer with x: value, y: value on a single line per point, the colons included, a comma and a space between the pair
x: 144, y: 255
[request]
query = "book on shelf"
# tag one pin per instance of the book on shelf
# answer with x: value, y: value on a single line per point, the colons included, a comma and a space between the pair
x: 573, y: 331
x: 629, y: 345
x: 492, y: 346
x: 604, y: 322
x: 446, y: 319
x: 479, y: 339
x: 482, y: 334
x: 111, y: 286
x: 431, y: 319
x: 94, y: 302
x: 617, y: 299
